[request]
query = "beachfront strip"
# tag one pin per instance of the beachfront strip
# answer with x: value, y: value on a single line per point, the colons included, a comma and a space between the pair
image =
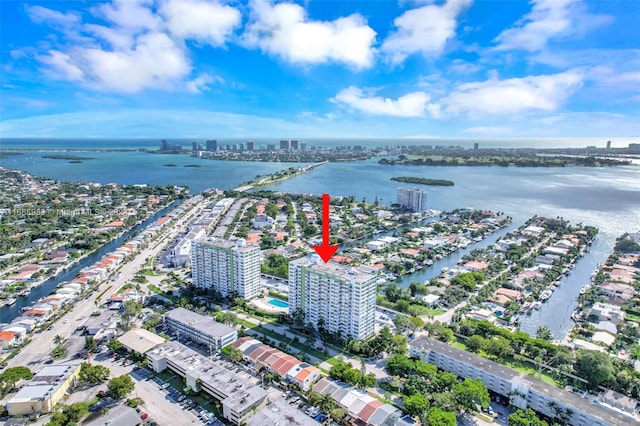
x: 523, y: 391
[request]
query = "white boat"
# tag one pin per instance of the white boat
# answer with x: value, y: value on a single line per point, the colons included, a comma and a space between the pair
x: 546, y: 294
x: 11, y: 301
x: 429, y: 262
x: 537, y: 305
x: 585, y: 288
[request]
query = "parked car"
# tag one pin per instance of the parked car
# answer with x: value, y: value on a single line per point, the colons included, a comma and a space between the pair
x: 143, y: 416
x: 101, y: 394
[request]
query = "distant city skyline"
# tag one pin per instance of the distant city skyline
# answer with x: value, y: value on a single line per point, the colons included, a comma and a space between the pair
x: 434, y: 69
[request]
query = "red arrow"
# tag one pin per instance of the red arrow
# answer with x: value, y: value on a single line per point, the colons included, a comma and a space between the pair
x: 325, y: 251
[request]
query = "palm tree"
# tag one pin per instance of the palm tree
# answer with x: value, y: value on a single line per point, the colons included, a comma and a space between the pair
x: 326, y: 403
x: 58, y: 340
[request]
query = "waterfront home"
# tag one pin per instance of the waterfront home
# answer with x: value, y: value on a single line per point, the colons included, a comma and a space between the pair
x: 607, y: 311
x: 435, y: 242
x: 22, y: 276
x: 475, y: 266
x: 7, y: 339
x: 533, y: 230
x: 623, y: 273
x: 547, y: 259
x: 29, y: 324
x: 603, y: 337
x: 504, y: 295
x: 410, y: 252
x: 430, y: 299
x: 376, y: 245
x: 617, y: 291
x: 482, y: 314
x: 606, y: 326
x: 19, y: 331
x: 555, y: 251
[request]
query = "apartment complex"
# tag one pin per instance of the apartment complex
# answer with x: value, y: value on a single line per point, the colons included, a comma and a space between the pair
x: 522, y: 390
x: 43, y: 391
x: 414, y: 199
x: 240, y: 398
x: 339, y: 299
x: 229, y: 267
x: 199, y: 328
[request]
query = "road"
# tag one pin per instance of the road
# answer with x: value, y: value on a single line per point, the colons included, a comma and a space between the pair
x: 38, y: 350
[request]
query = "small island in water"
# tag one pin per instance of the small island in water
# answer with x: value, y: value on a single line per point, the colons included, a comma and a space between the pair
x: 423, y: 181
x: 193, y: 165
x: 171, y: 165
x: 67, y: 157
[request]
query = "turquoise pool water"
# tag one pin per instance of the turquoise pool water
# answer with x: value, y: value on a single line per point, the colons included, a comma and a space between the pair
x: 278, y: 303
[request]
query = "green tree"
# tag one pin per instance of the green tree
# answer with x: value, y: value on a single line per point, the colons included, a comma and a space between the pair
x: 120, y: 386
x: 415, y: 404
x: 11, y: 376
x: 326, y: 403
x: 439, y: 417
x: 594, y: 366
x: 415, y: 324
x: 543, y: 332
x: 232, y: 353
x: 401, y: 322
x: 475, y: 343
x: 75, y: 411
x: 337, y: 414
x: 625, y: 245
x: 526, y: 417
x: 471, y: 392
x: 114, y: 345
x: 90, y: 344
x: 58, y: 352
x: 93, y: 374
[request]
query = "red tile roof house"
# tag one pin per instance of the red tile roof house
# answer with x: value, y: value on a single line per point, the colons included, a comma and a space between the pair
x: 7, y: 339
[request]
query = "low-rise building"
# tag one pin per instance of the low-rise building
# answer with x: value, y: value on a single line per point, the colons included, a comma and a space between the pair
x: 284, y: 365
x: 199, y: 328
x: 239, y: 397
x: 361, y: 408
x: 43, y: 391
x: 280, y: 413
x: 522, y: 390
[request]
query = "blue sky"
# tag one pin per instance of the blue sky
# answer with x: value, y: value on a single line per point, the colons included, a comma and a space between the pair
x: 196, y: 68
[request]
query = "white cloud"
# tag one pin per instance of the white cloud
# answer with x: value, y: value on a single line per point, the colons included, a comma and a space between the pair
x: 130, y: 15
x: 414, y: 104
x: 200, y: 83
x: 41, y: 14
x: 137, y: 47
x: 62, y: 65
x: 155, y: 61
x: 284, y: 30
x: 423, y: 30
x: 548, y: 19
x: 209, y: 22
x: 514, y: 95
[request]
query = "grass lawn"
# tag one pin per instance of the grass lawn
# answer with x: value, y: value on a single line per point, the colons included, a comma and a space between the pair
x: 148, y: 272
x: 304, y: 348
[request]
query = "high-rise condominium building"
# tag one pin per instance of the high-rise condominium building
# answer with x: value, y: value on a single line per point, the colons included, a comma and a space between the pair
x: 230, y: 267
x: 340, y: 299
x: 413, y: 199
x: 212, y: 145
